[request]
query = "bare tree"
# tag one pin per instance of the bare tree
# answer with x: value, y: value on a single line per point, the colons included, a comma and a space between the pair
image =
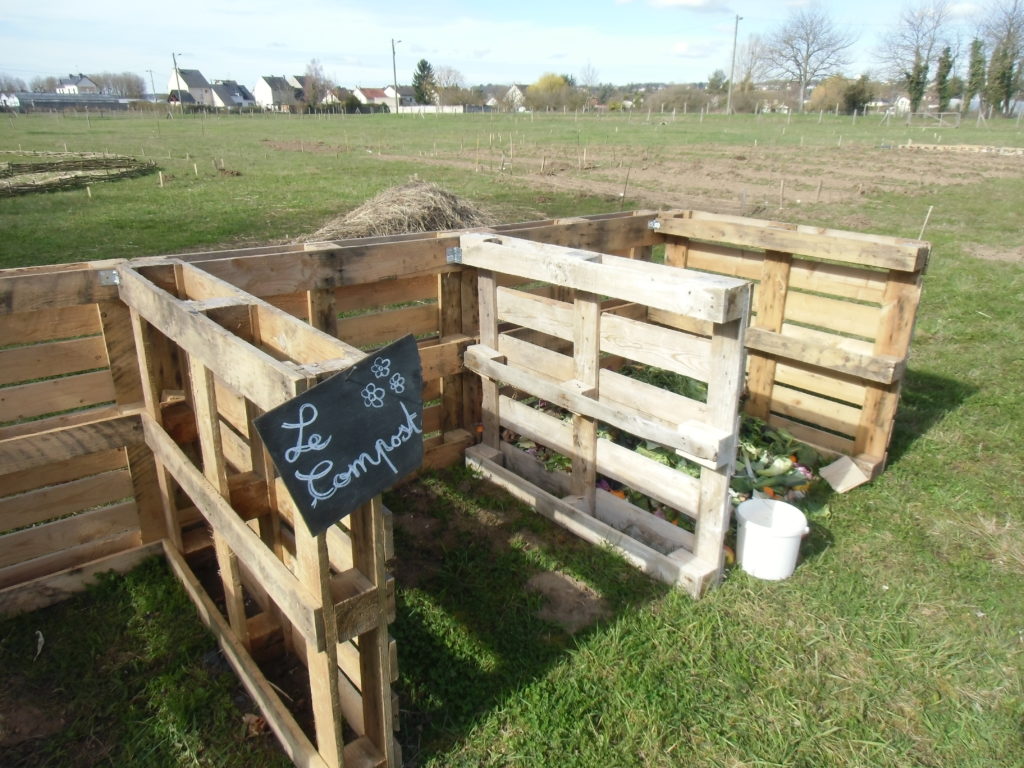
x: 10, y: 84
x: 449, y: 85
x: 917, y: 38
x: 127, y: 85
x: 315, y: 85
x: 807, y: 46
x: 751, y: 61
x: 43, y: 84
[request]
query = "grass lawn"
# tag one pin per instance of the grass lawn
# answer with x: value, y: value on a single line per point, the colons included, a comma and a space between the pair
x: 899, y: 641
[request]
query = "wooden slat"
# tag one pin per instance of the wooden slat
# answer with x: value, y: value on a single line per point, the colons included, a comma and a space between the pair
x: 28, y: 293
x: 26, y: 401
x: 43, y: 539
x: 827, y: 414
x: 708, y: 297
x: 876, y: 368
x: 669, y: 486
x: 832, y: 385
x: 697, y: 442
x: 681, y: 353
x: 298, y: 341
x: 67, y: 498
x: 47, y: 324
x: 39, y: 451
x: 352, y: 298
x: 52, y: 359
x: 770, y: 302
x: 842, y: 316
x: 62, y: 471
x: 56, y: 587
x: 380, y: 327
x: 816, y: 438
x: 835, y: 245
x: 841, y: 280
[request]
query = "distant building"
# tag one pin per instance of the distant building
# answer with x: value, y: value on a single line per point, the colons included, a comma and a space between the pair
x: 375, y: 97
x: 277, y: 93
x: 228, y: 94
x: 60, y: 102
x: 191, y: 80
x: 76, y: 84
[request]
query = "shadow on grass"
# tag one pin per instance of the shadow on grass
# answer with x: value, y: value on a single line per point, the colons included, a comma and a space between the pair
x: 925, y: 399
x: 468, y: 630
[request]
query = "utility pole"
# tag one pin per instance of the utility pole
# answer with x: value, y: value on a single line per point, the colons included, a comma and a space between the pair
x: 152, y: 84
x: 732, y: 69
x: 394, y: 72
x: 177, y: 81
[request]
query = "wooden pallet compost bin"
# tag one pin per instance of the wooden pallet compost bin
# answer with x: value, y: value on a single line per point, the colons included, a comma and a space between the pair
x: 604, y: 301
x: 127, y: 398
x: 833, y: 317
x: 128, y: 392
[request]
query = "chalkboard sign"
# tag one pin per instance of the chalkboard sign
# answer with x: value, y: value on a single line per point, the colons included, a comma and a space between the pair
x: 342, y: 442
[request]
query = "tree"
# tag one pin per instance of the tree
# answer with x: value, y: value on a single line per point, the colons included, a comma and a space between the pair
x: 9, y: 84
x: 127, y: 85
x: 423, y: 86
x: 315, y: 85
x: 975, y: 74
x: 751, y: 63
x: 829, y: 93
x: 717, y: 82
x: 916, y: 38
x: 551, y: 91
x: 43, y: 85
x: 1003, y: 29
x: 916, y: 80
x: 806, y: 46
x: 1000, y: 87
x: 943, y: 83
x: 449, y: 85
x: 857, y: 94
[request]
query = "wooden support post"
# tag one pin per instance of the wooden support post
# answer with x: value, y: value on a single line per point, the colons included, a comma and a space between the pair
x: 321, y: 311
x: 676, y: 251
x: 771, y: 309
x: 895, y: 330
x: 586, y: 367
x: 215, y: 470
x: 369, y: 554
x: 725, y: 383
x: 488, y: 298
x: 155, y: 361
x: 449, y: 299
x: 471, y: 392
x: 312, y: 568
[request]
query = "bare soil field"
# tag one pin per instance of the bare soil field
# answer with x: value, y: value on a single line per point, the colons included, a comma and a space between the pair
x: 728, y: 179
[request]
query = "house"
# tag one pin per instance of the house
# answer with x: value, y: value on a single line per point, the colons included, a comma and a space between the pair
x: 277, y: 93
x: 76, y: 84
x: 337, y: 95
x: 191, y: 80
x: 375, y: 97
x: 296, y: 81
x: 228, y: 94
x: 180, y: 97
x: 406, y: 96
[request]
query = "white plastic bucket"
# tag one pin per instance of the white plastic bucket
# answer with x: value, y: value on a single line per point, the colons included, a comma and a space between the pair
x: 769, y: 537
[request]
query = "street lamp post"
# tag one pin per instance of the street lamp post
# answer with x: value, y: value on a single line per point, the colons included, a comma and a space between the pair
x: 177, y: 81
x: 394, y: 72
x: 732, y: 69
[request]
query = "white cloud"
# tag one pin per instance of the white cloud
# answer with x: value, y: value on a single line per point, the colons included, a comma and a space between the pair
x: 693, y: 5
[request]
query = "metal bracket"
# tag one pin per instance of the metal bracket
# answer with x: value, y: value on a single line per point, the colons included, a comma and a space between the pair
x: 453, y: 255
x: 109, y: 277
x: 654, y: 224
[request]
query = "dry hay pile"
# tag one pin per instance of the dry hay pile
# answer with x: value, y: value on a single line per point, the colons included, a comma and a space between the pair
x: 419, y: 206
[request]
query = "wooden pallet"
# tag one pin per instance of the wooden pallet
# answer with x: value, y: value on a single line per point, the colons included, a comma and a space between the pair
x: 833, y: 317
x: 702, y: 432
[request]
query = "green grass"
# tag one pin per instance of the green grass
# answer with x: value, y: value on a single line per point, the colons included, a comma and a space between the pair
x: 899, y: 641
x: 125, y: 676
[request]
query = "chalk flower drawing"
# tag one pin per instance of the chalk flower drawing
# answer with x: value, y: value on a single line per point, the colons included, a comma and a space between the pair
x: 381, y: 367
x: 397, y: 383
x: 373, y: 396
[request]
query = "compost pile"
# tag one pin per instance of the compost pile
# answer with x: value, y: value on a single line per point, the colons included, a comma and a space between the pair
x: 419, y: 206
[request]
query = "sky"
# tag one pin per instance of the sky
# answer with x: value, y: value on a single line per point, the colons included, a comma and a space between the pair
x: 616, y: 41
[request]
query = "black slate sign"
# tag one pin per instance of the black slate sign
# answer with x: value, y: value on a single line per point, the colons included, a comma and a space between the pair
x: 350, y: 437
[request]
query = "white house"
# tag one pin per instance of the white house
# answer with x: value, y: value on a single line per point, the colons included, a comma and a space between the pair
x: 75, y: 84
x: 192, y: 81
x: 375, y: 96
x: 228, y: 94
x: 273, y: 92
